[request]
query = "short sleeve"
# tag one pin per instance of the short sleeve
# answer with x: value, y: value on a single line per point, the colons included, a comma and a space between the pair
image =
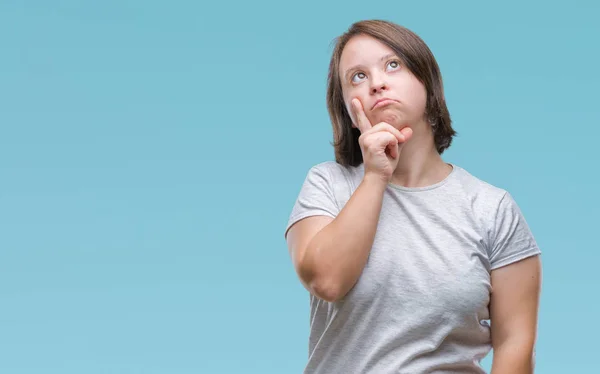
x: 511, y: 237
x: 316, y: 196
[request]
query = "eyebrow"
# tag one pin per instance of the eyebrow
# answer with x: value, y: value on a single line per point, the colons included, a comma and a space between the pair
x: 388, y: 56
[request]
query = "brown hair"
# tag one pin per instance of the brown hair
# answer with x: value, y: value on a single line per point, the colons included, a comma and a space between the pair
x: 417, y: 57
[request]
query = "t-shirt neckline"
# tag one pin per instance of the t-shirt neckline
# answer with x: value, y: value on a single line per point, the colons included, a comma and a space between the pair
x: 424, y: 188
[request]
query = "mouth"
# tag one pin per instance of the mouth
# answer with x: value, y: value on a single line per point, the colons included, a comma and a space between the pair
x: 383, y: 102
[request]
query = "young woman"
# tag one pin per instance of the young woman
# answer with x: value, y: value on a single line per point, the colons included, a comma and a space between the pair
x: 413, y: 264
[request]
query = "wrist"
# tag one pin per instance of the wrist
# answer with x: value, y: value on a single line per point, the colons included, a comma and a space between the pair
x: 376, y: 181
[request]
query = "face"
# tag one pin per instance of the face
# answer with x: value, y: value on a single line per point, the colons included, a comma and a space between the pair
x: 371, y: 72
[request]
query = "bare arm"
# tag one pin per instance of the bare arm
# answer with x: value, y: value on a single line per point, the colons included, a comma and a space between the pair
x: 514, y: 314
x: 330, y: 254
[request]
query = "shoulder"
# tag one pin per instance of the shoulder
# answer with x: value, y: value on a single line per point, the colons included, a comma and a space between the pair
x: 508, y: 235
x: 506, y: 229
x: 334, y: 172
x: 484, y: 200
x: 481, y: 194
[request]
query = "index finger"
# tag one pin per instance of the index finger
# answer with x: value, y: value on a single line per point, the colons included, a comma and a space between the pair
x: 362, y: 122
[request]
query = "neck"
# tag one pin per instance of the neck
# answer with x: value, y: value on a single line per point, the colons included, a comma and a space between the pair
x: 420, y: 164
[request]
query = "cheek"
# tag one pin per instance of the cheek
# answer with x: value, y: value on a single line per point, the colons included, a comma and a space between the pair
x: 415, y: 97
x: 361, y: 93
x: 348, y: 105
x: 419, y: 94
x: 347, y: 97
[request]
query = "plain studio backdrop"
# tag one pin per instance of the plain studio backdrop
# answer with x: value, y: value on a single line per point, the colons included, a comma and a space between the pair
x: 151, y: 152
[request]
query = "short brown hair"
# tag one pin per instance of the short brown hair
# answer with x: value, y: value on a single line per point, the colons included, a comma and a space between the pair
x: 417, y: 57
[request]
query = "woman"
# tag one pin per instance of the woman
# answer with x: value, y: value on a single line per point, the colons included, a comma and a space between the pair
x: 407, y: 257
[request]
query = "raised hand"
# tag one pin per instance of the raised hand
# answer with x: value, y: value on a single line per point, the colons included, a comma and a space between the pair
x: 380, y: 144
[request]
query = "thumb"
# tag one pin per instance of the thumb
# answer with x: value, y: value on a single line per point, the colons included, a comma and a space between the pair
x: 407, y: 132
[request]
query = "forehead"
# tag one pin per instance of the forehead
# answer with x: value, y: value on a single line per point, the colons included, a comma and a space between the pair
x: 362, y: 50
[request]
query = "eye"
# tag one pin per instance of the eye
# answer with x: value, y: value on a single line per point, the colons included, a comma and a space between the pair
x: 394, y: 65
x: 359, y: 75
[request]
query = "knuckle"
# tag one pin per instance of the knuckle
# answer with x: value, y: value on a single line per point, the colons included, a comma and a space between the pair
x: 362, y: 140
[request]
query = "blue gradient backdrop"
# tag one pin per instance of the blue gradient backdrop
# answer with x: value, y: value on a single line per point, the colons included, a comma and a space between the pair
x: 150, y: 153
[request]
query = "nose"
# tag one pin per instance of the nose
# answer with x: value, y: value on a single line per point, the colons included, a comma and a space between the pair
x: 378, y: 84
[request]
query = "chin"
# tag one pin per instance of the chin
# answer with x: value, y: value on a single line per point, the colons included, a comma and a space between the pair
x: 392, y: 117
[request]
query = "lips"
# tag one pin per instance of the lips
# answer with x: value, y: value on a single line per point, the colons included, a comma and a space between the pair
x: 382, y: 102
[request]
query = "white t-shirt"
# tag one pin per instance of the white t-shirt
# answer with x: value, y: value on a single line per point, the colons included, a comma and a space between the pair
x: 421, y: 302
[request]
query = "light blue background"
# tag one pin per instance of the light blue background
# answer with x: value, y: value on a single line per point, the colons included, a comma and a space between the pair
x: 150, y: 153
